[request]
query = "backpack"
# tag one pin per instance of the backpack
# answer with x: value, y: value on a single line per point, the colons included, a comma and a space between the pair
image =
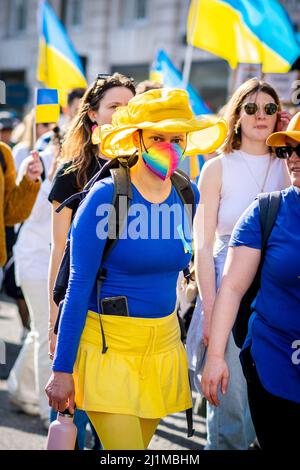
x: 268, y: 209
x: 118, y: 169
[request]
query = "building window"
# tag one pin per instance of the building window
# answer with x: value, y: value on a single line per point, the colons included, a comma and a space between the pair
x: 74, y: 13
x: 141, y: 9
x: 18, y: 16
x: 133, y: 12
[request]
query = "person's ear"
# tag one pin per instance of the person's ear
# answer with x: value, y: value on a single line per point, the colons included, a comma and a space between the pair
x: 136, y: 139
x: 92, y: 115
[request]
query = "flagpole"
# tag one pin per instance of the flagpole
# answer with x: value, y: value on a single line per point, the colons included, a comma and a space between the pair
x: 189, y: 51
x: 34, y: 121
x: 187, y: 65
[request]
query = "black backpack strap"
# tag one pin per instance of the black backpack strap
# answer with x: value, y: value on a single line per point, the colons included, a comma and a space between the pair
x: 183, y: 186
x: 189, y: 420
x: 67, y: 201
x: 268, y: 209
x: 43, y: 175
x: 100, y: 278
x: 189, y: 416
x: 2, y: 161
x: 81, y: 194
x: 102, y: 173
x: 121, y: 202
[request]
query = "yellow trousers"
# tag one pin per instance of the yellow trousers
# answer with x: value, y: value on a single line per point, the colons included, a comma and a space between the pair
x: 123, y: 432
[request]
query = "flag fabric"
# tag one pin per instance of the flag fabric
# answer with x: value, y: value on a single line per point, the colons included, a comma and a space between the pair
x: 47, y: 107
x: 58, y: 64
x: 163, y: 71
x: 245, y: 31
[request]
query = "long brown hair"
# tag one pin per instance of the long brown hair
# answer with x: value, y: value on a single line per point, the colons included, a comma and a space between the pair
x: 232, y: 111
x: 77, y: 146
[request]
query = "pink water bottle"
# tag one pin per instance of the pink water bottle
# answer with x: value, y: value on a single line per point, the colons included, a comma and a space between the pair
x: 62, y: 432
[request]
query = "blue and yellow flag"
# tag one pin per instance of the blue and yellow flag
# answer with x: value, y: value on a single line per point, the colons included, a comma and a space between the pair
x: 58, y: 64
x: 47, y: 107
x: 245, y: 31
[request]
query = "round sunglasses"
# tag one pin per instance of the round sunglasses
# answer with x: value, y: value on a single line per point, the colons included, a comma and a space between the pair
x: 252, y: 108
x: 286, y: 151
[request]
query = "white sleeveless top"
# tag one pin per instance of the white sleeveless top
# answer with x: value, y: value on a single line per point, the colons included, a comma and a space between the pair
x: 244, y: 176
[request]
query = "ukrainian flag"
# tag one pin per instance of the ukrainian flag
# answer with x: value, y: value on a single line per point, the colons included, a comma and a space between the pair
x: 47, y: 106
x: 245, y: 31
x: 58, y: 64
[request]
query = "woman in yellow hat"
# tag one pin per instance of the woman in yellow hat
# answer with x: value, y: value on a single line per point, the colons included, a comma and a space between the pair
x: 271, y: 352
x: 80, y: 161
x: 143, y: 375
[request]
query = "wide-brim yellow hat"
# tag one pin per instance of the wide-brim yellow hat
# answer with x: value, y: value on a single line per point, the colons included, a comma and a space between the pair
x: 278, y: 139
x: 164, y: 110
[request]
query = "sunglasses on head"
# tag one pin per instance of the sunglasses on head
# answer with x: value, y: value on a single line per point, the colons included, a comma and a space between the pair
x: 287, y: 151
x: 103, y: 76
x: 252, y: 108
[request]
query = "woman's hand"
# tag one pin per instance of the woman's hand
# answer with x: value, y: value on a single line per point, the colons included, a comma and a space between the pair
x: 60, y: 391
x: 52, y: 338
x: 34, y: 166
x: 215, y: 373
x: 283, y: 119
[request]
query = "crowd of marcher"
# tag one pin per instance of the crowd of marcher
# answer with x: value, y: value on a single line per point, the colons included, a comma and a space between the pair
x: 102, y: 234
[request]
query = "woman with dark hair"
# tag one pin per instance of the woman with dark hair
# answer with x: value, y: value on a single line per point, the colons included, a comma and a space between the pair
x: 228, y: 184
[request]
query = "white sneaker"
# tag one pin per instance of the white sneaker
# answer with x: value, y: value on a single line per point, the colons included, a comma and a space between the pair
x: 28, y: 408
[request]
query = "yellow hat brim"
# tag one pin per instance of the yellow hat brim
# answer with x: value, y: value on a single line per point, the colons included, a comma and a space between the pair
x: 278, y: 139
x: 205, y: 135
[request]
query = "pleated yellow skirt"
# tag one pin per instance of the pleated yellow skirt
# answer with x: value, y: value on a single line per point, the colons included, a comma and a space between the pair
x: 143, y: 373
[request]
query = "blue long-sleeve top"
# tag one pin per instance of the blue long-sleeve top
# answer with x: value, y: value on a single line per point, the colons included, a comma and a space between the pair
x: 143, y: 265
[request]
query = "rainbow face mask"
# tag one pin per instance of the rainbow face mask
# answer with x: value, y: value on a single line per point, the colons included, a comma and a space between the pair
x: 163, y: 158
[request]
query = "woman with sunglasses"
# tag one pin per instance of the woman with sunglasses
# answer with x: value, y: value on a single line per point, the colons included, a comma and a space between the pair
x: 271, y: 352
x: 228, y: 184
x: 80, y: 161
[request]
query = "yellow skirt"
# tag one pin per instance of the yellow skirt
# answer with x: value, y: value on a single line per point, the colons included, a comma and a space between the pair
x: 143, y: 373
